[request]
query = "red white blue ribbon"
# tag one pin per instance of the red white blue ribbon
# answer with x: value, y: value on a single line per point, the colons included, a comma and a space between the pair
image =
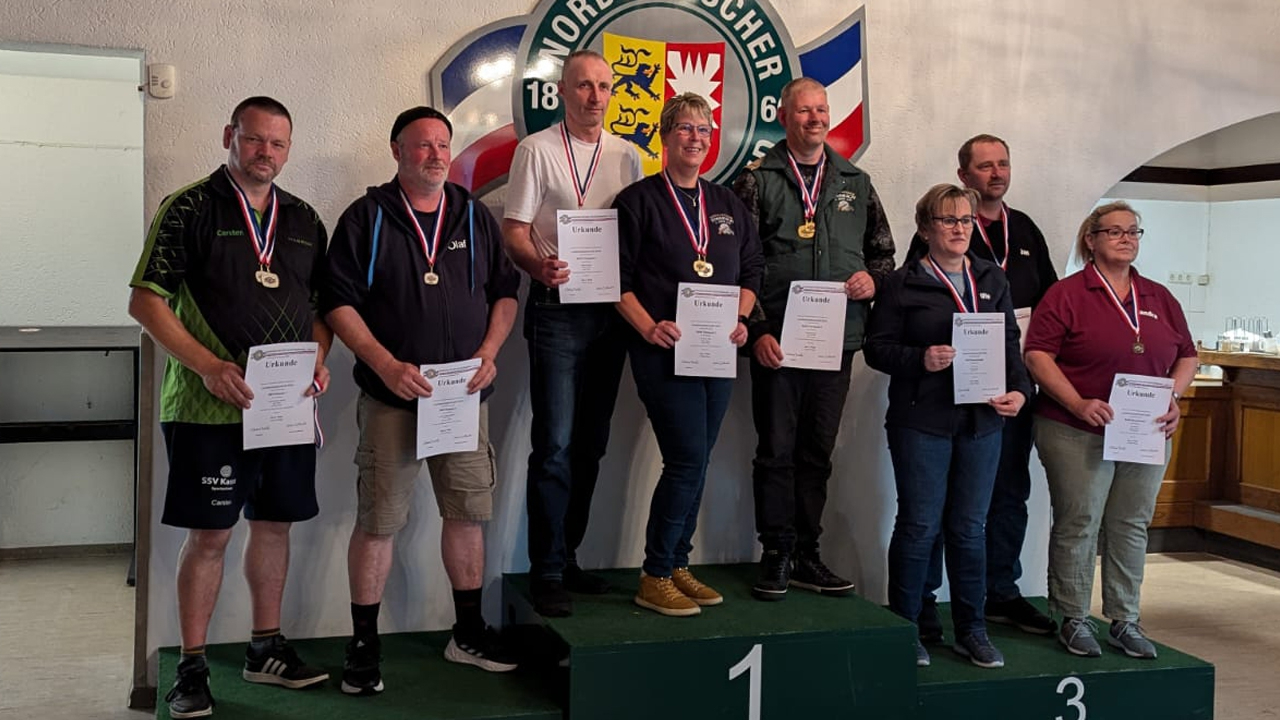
x: 702, y: 236
x: 580, y: 184
x: 970, y: 285
x: 428, y: 248
x: 809, y: 195
x: 1003, y: 262
x: 264, y: 239
x: 1134, y: 321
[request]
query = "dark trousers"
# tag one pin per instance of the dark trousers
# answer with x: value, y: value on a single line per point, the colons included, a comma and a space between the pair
x: 944, y: 490
x: 1007, y: 517
x: 685, y: 413
x: 797, y: 416
x: 576, y: 353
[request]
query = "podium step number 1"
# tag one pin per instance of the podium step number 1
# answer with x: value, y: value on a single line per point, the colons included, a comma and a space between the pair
x: 753, y: 665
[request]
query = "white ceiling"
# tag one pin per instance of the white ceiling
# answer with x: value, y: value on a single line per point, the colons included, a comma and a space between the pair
x: 1252, y: 142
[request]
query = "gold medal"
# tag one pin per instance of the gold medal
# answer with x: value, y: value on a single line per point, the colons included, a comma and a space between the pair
x: 703, y: 268
x: 431, y: 278
x: 807, y: 230
x: 1139, y: 348
x: 269, y: 279
x: 257, y: 276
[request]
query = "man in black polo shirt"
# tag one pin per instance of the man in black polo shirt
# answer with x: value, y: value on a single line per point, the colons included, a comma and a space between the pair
x: 417, y: 276
x: 1011, y: 240
x: 231, y: 262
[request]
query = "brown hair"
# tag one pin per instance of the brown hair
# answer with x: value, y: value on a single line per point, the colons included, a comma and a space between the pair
x: 269, y: 105
x: 965, y: 156
x: 932, y: 200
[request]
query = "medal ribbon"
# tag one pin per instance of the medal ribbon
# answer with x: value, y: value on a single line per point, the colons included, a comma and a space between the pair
x: 1134, y: 321
x: 428, y: 249
x: 580, y: 184
x: 807, y: 194
x: 1003, y: 262
x: 970, y: 285
x: 698, y: 239
x: 264, y: 239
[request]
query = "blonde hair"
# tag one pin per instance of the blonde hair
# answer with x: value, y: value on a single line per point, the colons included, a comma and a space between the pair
x: 931, y: 202
x: 691, y: 103
x: 1092, y: 225
x: 800, y: 83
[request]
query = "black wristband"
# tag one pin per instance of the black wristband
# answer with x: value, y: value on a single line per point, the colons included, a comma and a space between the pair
x: 744, y: 320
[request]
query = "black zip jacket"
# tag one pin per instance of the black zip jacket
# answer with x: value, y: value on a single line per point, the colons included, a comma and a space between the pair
x: 376, y: 265
x: 913, y: 311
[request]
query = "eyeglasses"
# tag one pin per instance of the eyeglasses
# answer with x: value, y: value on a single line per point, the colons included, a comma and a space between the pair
x: 1116, y: 233
x: 951, y: 221
x: 703, y: 131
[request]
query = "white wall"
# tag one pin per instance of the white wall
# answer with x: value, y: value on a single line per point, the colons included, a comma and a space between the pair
x: 66, y: 493
x: 1243, y: 252
x: 71, y: 190
x: 1084, y: 91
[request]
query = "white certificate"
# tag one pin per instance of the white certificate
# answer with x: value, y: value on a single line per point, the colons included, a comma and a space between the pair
x: 1133, y: 435
x: 449, y: 420
x: 280, y: 412
x: 978, y: 370
x: 706, y: 315
x: 1023, y: 318
x: 588, y: 242
x: 813, y: 326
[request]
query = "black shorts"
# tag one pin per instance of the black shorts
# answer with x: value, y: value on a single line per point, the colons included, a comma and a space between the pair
x: 211, y: 477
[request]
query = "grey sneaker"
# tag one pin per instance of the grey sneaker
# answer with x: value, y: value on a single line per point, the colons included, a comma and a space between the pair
x: 978, y: 648
x: 1132, y: 639
x: 1077, y: 636
x: 922, y: 655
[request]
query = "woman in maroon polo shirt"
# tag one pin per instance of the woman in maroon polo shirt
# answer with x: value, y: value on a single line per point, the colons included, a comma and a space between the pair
x: 1105, y: 319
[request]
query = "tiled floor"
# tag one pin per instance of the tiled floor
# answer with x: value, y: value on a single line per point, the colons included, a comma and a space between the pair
x: 66, y: 633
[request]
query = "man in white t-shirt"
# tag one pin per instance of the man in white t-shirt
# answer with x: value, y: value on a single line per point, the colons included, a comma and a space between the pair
x: 575, y: 351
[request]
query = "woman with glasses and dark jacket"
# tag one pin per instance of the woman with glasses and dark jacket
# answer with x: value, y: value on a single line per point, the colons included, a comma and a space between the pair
x: 1105, y: 319
x: 944, y: 454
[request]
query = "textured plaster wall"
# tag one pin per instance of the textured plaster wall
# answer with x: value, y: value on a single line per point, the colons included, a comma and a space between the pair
x: 1084, y: 91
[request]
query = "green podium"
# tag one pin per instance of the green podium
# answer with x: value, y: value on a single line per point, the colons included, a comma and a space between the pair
x: 808, y: 656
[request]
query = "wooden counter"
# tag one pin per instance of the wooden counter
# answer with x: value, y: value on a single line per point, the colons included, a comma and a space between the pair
x: 1231, y: 437
x: 1198, y: 459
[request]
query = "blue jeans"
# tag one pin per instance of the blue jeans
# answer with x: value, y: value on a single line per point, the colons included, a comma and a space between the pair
x: 1007, y: 518
x: 685, y: 413
x: 576, y: 353
x: 944, y: 488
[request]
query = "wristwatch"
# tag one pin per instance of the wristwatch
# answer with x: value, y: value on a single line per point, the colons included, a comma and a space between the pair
x: 743, y: 319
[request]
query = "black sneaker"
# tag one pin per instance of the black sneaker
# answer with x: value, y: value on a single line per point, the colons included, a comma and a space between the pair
x: 360, y: 672
x: 550, y: 599
x: 1024, y: 615
x: 809, y: 572
x: 928, y: 624
x: 484, y: 650
x: 190, y: 696
x: 278, y: 664
x: 580, y: 581
x: 775, y: 571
